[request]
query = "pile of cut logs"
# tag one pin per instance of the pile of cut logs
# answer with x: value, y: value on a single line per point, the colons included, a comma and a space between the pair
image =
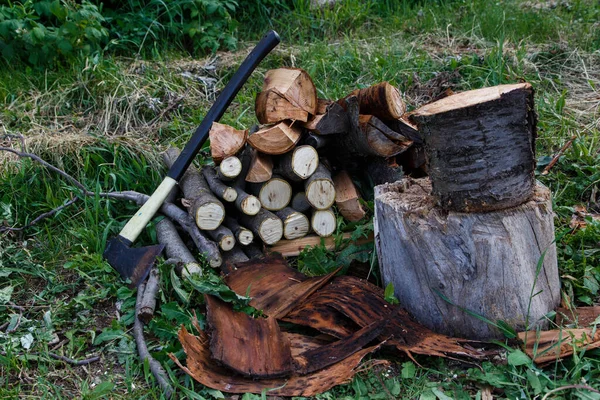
x: 281, y: 179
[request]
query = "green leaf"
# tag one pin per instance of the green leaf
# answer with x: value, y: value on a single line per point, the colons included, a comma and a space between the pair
x: 6, y: 294
x: 173, y: 311
x: 102, y: 389
x: 38, y: 33
x: 389, y: 294
x: 534, y: 381
x: 517, y: 357
x: 109, y: 334
x: 409, y: 370
x: 440, y: 394
x: 183, y: 295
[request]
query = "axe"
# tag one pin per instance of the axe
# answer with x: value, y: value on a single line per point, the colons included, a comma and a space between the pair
x: 135, y: 263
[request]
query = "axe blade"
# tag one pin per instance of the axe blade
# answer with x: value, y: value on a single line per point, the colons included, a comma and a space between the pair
x: 131, y: 263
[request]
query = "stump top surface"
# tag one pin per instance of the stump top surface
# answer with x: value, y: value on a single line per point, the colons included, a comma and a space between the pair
x: 468, y: 99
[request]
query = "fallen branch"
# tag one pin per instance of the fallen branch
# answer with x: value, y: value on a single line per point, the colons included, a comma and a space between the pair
x: 39, y: 217
x: 558, y: 155
x: 55, y: 356
x: 148, y: 304
x: 138, y: 333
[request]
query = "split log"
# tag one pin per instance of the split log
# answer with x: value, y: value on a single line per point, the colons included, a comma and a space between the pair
x: 442, y: 263
x: 223, y: 236
x: 295, y: 224
x: 333, y: 120
x: 271, y: 107
x: 274, y: 194
x: 292, y: 248
x: 381, y: 139
x: 382, y: 100
x: 265, y: 224
x: 276, y: 139
x: 323, y: 222
x: 185, y: 263
x: 295, y: 85
x: 299, y: 163
x: 347, y: 198
x: 480, y: 146
x: 260, y: 169
x: 217, y: 186
x: 319, y: 189
x: 406, y: 128
x: 300, y: 203
x: 243, y: 235
x: 225, y: 141
x: 205, y: 208
x: 229, y: 168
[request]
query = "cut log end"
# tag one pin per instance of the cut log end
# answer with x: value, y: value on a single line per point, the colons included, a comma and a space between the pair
x: 271, y: 230
x: 226, y: 243
x: 323, y: 222
x: 229, y: 195
x: 245, y: 236
x: 230, y: 167
x: 305, y: 160
x: 320, y: 193
x: 250, y: 205
x: 295, y: 226
x: 275, y: 194
x: 209, y: 216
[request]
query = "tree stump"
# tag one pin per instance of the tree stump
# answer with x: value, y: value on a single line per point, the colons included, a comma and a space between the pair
x: 442, y: 263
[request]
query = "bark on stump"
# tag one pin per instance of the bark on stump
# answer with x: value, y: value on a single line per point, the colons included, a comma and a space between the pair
x: 482, y: 262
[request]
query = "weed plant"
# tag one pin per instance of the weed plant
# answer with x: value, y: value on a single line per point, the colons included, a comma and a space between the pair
x: 104, y: 118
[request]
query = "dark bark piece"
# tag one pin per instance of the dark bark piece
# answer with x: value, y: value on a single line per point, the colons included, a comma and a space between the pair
x: 317, y: 313
x: 323, y: 222
x: 271, y: 107
x: 261, y: 167
x: 205, y: 208
x: 382, y: 100
x: 381, y: 139
x: 331, y: 122
x: 231, y: 258
x: 483, y: 262
x: 347, y: 198
x: 318, y: 142
x: 274, y: 194
x: 406, y: 128
x: 295, y: 224
x: 223, y: 237
x: 382, y: 170
x: 300, y: 343
x: 244, y: 236
x: 480, y: 146
x: 225, y: 141
x: 276, y: 139
x: 578, y: 317
x: 203, y: 369
x: 295, y: 85
x: 266, y: 225
x: 299, y: 202
x: 274, y: 287
x: 298, y: 164
x: 217, y: 186
x: 253, y: 347
x: 319, y: 189
x: 413, y: 161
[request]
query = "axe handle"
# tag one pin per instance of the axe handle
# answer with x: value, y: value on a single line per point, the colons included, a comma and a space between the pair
x: 136, y: 224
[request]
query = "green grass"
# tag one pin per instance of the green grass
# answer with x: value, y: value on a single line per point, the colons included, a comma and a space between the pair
x: 105, y: 121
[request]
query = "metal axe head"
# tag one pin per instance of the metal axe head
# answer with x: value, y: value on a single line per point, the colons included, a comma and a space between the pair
x: 132, y: 263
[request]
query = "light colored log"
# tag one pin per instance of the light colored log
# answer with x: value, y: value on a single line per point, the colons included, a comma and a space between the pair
x: 277, y: 139
x: 176, y: 250
x: 323, y: 222
x: 487, y: 263
x: 271, y: 107
x: 293, y: 248
x: 319, y: 189
x: 274, y: 194
x: 225, y: 141
x: 347, y: 198
x: 295, y: 85
x: 247, y: 203
x: 266, y: 225
x: 243, y: 235
x: 299, y: 164
x: 229, y: 168
x: 223, y: 237
x: 295, y: 224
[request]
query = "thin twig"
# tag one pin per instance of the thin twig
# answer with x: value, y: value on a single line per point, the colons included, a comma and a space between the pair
x: 566, y: 387
x: 11, y: 136
x: 40, y: 217
x: 74, y: 362
x: 558, y: 155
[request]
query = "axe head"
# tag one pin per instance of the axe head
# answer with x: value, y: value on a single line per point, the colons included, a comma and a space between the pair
x: 132, y: 263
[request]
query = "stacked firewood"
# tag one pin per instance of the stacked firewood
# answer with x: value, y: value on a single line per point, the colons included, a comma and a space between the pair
x: 281, y: 179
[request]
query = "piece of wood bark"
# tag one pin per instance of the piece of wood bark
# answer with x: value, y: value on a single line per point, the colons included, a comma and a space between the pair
x: 323, y: 222
x: 578, y: 317
x: 145, y: 310
x: 225, y: 141
x: 347, y: 198
x: 295, y: 224
x: 295, y: 85
x: 318, y: 141
x: 298, y: 164
x: 333, y: 121
x: 205, y: 208
x: 382, y: 170
x: 274, y: 194
x: 229, y: 169
x: 382, y: 100
x: 217, y: 186
x: 176, y: 250
x: 319, y: 188
x: 203, y: 369
x: 406, y: 128
x: 261, y: 168
x: 244, y: 236
x: 421, y: 247
x: 223, y: 237
x: 276, y: 139
x: 271, y: 107
x: 299, y: 202
x: 292, y: 248
x: 266, y: 225
x: 480, y: 147
x: 253, y: 347
x: 549, y: 346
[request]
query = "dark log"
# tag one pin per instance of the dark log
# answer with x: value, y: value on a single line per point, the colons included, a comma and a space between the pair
x: 253, y: 250
x: 266, y: 225
x: 480, y: 146
x: 205, y: 208
x: 333, y: 121
x: 225, y: 141
x: 300, y: 203
x: 442, y: 263
x: 232, y: 257
x: 319, y: 189
x: 217, y: 186
x: 243, y: 235
x: 176, y: 250
x: 223, y: 237
x: 146, y: 308
x: 318, y: 142
x: 384, y: 141
x: 381, y: 170
x: 295, y: 224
